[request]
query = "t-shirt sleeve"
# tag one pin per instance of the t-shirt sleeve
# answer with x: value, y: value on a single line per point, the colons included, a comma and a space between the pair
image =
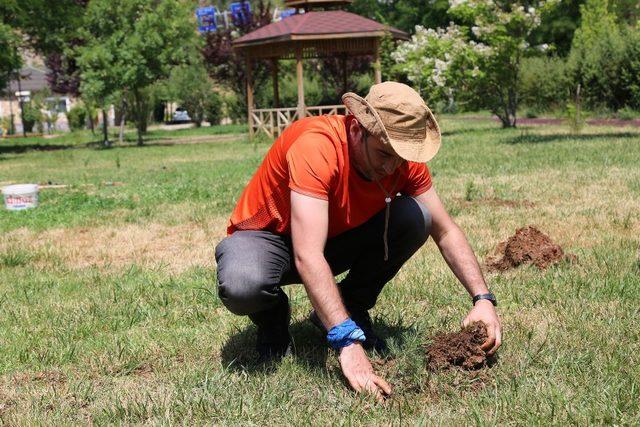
x: 418, y: 179
x: 313, y: 166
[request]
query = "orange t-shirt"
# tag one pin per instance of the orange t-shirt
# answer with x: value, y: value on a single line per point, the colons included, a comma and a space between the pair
x: 311, y: 157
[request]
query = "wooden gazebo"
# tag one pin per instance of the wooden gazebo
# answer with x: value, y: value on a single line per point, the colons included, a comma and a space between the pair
x: 313, y: 34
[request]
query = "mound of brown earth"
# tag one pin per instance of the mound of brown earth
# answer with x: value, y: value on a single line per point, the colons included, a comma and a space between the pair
x: 458, y: 349
x: 528, y: 246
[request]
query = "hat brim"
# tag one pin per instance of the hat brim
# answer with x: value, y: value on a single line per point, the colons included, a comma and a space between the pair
x: 414, y: 150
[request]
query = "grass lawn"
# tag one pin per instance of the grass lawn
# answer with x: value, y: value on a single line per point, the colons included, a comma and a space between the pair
x: 109, y: 313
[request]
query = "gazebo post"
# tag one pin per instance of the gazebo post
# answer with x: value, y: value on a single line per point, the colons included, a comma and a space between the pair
x: 377, y: 71
x: 301, y: 106
x: 249, y: 96
x: 343, y: 64
x: 274, y: 78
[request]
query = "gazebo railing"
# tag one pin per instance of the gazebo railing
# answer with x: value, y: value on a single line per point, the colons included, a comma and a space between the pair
x: 273, y: 121
x: 325, y: 109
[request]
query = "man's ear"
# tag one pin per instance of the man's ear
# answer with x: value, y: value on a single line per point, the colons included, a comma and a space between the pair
x: 355, y: 130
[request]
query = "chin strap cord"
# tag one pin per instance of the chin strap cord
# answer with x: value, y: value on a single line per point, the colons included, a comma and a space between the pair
x: 387, y: 199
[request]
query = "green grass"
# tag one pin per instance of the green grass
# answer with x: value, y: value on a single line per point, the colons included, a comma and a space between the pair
x: 109, y: 313
x: 84, y: 138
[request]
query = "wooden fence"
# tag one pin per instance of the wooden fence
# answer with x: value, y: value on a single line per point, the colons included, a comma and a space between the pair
x: 273, y: 121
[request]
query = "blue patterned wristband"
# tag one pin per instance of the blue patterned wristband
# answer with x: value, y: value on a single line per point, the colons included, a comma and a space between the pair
x: 344, y: 334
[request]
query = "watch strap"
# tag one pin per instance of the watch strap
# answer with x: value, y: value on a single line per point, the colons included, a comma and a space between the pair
x: 491, y: 297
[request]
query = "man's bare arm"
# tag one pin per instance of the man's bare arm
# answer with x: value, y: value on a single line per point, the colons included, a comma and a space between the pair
x: 453, y: 244
x: 459, y: 256
x: 309, y: 228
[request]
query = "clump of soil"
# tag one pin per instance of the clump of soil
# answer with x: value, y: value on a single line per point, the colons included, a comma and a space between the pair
x: 528, y: 246
x: 458, y: 349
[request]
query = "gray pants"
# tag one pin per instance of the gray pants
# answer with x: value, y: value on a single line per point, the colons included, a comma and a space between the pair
x: 253, y: 265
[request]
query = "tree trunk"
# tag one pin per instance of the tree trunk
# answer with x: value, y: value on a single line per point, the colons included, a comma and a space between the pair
x: 139, y: 116
x: 105, y: 124
x: 122, y: 115
x: 507, y: 109
x: 21, y: 103
x: 513, y: 104
x: 90, y: 118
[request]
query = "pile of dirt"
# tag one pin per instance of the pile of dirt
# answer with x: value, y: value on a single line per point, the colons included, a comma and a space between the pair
x: 458, y: 349
x: 528, y: 246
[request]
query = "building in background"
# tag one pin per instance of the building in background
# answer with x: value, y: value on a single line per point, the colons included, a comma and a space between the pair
x: 33, y: 79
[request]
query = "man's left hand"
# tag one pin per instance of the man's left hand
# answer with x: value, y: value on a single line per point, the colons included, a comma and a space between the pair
x: 485, y: 312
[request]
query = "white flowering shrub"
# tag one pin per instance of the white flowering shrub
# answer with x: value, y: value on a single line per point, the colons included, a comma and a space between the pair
x: 475, y: 62
x: 440, y: 62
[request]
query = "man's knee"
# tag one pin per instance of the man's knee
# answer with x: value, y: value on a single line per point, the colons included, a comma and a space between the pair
x: 411, y: 220
x: 240, y: 291
x: 242, y: 285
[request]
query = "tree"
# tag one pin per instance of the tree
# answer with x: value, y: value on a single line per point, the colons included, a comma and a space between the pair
x: 50, y: 28
x: 477, y: 63
x: 442, y: 64
x: 191, y: 87
x: 225, y: 65
x: 10, y: 60
x: 598, y: 53
x: 558, y: 26
x: 404, y: 14
x: 130, y: 44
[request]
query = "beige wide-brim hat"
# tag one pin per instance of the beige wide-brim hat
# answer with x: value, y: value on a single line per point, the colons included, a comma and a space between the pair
x: 397, y: 115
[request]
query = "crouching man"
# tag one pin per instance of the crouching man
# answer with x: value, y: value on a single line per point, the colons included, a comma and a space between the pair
x: 343, y: 193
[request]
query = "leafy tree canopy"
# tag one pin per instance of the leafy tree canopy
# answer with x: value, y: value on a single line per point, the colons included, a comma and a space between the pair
x: 404, y: 14
x: 9, y: 55
x: 47, y: 25
x: 130, y: 44
x: 478, y: 62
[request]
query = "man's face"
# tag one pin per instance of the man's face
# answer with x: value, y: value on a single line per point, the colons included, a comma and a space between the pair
x: 373, y: 159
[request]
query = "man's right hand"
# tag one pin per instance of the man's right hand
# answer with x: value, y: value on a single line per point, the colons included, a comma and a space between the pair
x: 359, y: 372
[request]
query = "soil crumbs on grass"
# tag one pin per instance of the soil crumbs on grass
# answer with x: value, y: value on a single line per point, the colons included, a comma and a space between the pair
x: 458, y: 349
x: 528, y: 246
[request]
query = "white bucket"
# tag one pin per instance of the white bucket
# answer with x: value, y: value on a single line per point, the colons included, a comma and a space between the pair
x: 20, y: 196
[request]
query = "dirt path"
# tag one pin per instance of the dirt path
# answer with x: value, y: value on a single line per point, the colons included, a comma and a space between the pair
x: 196, y: 139
x: 540, y: 121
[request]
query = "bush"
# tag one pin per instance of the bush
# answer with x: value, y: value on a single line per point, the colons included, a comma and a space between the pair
x: 630, y: 73
x: 544, y: 84
x: 532, y: 114
x: 77, y: 117
x: 288, y: 91
x: 191, y: 88
x: 235, y: 109
x: 213, y: 108
x: 604, y: 59
x: 628, y: 113
x: 31, y: 116
x: 8, y: 125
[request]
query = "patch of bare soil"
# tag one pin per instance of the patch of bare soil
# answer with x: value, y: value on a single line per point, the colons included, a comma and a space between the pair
x: 48, y: 377
x: 195, y: 139
x: 528, y: 246
x: 497, y: 202
x: 175, y: 248
x: 458, y: 349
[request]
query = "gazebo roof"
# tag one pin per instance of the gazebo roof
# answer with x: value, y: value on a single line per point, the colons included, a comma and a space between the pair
x: 315, y: 3
x: 324, y: 25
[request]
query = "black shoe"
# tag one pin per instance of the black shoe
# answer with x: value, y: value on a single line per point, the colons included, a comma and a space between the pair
x: 273, y: 339
x: 273, y: 352
x: 363, y: 320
